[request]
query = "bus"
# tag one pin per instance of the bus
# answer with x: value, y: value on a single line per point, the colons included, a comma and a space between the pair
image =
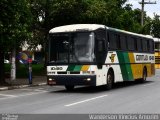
x: 157, y: 52
x: 95, y: 55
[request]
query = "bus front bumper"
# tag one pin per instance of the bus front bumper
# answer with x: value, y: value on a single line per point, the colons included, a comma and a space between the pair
x: 72, y: 80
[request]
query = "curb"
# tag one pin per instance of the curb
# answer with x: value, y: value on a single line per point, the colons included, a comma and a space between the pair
x: 21, y: 86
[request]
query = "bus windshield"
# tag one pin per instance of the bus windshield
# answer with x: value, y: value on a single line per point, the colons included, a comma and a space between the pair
x: 72, y: 47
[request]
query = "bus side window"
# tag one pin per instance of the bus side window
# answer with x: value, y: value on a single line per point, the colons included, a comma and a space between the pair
x: 135, y: 44
x: 148, y: 46
x: 117, y: 40
x: 123, y: 41
x: 112, y: 43
x: 144, y: 44
x: 151, y: 44
x: 131, y: 44
x: 139, y: 45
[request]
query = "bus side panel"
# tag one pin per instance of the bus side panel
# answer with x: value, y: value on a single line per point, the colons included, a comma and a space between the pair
x: 150, y: 70
x: 125, y: 66
x: 137, y: 68
x: 128, y: 66
x: 142, y: 60
x: 112, y: 62
x: 101, y: 75
x: 117, y: 73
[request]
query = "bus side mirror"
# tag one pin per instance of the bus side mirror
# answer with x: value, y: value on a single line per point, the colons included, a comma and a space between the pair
x: 101, y: 53
x: 100, y: 46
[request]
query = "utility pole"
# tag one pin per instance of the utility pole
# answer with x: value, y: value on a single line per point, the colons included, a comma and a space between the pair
x: 142, y: 12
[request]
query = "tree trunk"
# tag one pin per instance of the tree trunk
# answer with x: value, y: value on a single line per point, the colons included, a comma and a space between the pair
x: 2, y: 71
x: 13, y: 64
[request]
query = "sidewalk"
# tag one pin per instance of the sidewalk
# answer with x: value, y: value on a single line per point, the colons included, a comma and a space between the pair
x: 23, y: 82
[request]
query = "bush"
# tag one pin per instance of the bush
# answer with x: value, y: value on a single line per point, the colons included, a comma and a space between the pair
x: 22, y: 70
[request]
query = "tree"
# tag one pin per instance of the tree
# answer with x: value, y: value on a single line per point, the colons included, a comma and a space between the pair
x: 52, y: 13
x: 155, y: 27
x: 15, y: 27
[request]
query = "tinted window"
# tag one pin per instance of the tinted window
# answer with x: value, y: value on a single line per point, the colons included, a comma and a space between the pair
x: 112, y: 41
x: 135, y: 44
x: 139, y: 44
x: 148, y: 46
x: 123, y: 40
x: 117, y: 40
x: 131, y: 43
x: 144, y: 44
x: 151, y: 44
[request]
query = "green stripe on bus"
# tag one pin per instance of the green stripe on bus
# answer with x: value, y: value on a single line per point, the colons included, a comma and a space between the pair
x: 77, y: 68
x: 70, y: 67
x: 125, y: 66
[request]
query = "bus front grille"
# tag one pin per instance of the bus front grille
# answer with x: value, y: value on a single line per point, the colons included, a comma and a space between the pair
x: 62, y: 72
x: 65, y: 72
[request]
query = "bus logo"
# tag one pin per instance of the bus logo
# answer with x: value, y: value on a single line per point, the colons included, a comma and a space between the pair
x: 112, y: 57
x: 56, y: 68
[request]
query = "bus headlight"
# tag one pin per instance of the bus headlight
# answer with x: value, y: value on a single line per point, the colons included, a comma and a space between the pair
x: 86, y: 72
x: 88, y: 79
x: 50, y: 79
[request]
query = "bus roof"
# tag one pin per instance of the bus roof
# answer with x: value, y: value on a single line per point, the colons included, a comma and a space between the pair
x: 131, y: 33
x: 156, y: 39
x: 76, y: 27
x: 90, y: 27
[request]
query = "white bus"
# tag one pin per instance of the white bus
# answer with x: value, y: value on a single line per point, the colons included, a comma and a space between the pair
x: 94, y: 55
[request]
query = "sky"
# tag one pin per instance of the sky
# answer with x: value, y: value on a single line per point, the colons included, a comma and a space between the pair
x: 149, y: 8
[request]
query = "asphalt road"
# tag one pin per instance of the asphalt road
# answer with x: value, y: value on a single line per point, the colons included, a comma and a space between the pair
x: 124, y: 98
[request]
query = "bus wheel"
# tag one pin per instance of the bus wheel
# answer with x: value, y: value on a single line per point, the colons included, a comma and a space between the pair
x: 69, y: 87
x: 144, y: 77
x: 110, y: 80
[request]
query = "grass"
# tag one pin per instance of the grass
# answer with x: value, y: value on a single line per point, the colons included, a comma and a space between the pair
x: 22, y: 70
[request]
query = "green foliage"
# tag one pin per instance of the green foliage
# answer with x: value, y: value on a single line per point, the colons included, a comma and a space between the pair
x: 15, y: 25
x: 7, y: 68
x: 155, y: 28
x: 52, y: 13
x: 128, y: 19
x: 15, y: 22
x: 22, y: 72
x: 31, y: 20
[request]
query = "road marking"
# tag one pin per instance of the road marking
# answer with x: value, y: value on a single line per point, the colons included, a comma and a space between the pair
x: 6, y: 95
x: 13, y: 96
x: 27, y: 89
x: 32, y: 93
x: 35, y: 90
x: 87, y: 100
x: 40, y: 90
x: 149, y: 84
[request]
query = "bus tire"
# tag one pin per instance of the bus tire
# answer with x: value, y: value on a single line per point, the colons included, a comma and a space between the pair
x: 69, y: 87
x: 144, y: 75
x: 110, y: 79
